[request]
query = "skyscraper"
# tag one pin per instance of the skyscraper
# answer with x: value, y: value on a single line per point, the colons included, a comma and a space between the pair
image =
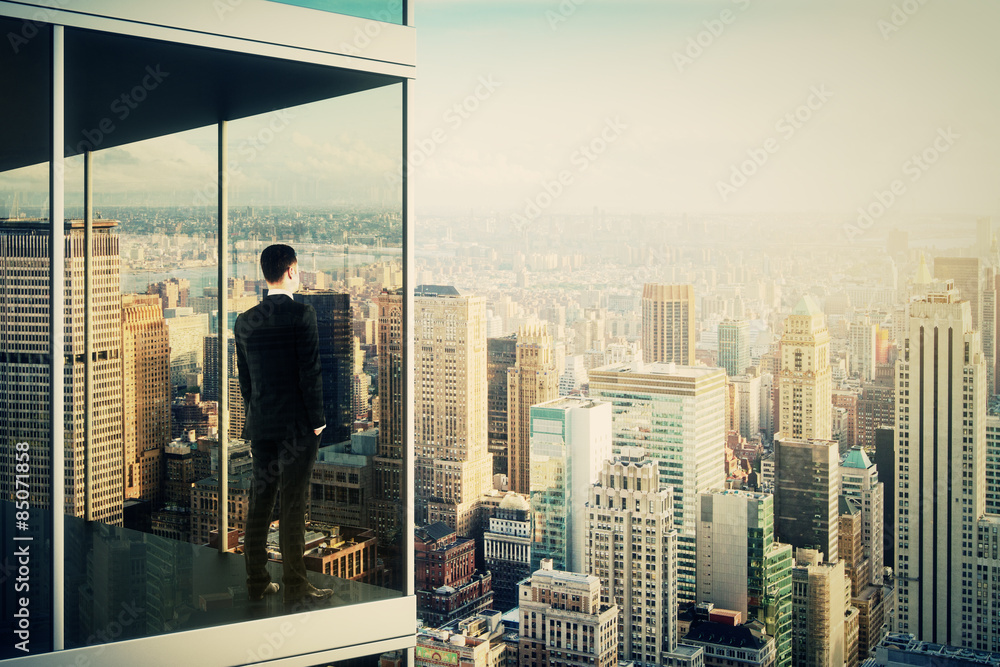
x: 24, y: 338
x: 533, y: 379
x: 734, y: 346
x: 862, y: 338
x: 501, y: 355
x: 742, y: 567
x: 677, y: 414
x: 940, y: 480
x: 336, y: 354
x: 387, y: 495
x: 145, y: 396
x: 668, y: 329
x: 964, y: 271
x: 819, y: 611
x: 570, y: 440
x: 633, y: 550
x: 453, y: 466
x: 859, y: 482
x: 807, y: 494
x: 804, y: 381
x: 210, y: 381
x: 187, y: 340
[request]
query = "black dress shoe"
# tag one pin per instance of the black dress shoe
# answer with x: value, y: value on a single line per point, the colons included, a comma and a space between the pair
x: 257, y: 596
x: 311, y: 594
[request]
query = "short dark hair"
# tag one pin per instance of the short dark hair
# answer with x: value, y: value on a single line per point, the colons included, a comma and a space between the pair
x: 275, y: 260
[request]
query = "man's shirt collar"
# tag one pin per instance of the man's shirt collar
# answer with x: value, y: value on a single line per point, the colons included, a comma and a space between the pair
x: 277, y: 291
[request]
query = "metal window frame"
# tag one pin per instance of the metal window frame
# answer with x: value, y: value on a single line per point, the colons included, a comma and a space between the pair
x: 371, y: 623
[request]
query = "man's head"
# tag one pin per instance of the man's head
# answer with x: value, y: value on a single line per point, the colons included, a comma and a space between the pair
x: 280, y: 267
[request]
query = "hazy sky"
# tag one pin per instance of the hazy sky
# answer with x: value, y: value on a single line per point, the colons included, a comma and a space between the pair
x: 695, y: 93
x: 729, y: 106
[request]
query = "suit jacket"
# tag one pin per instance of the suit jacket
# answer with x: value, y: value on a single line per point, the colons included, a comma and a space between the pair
x: 277, y: 354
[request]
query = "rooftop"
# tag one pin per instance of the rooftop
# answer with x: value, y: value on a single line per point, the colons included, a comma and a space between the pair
x: 660, y: 368
x: 739, y: 636
x: 436, y: 290
x: 807, y: 306
x: 856, y: 458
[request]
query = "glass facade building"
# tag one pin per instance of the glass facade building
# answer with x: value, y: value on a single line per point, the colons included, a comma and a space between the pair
x: 156, y: 149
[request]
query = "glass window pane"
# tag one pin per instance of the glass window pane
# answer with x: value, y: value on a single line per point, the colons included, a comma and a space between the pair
x: 25, y: 346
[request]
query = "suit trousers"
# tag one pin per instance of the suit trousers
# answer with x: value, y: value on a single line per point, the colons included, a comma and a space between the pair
x: 279, y: 467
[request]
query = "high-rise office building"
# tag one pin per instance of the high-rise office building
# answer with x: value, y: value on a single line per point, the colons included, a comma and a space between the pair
x: 940, y: 478
x: 120, y: 584
x: 501, y: 355
x: 819, y: 611
x: 804, y: 381
x: 992, y: 504
x: 570, y: 440
x: 336, y: 355
x: 187, y: 332
x: 210, y: 353
x: 453, y: 466
x: 742, y: 567
x: 534, y: 379
x: 677, y: 414
x: 387, y: 494
x: 749, y: 389
x: 965, y: 272
x: 859, y: 481
x: 807, y: 494
x: 145, y: 396
x: 24, y: 339
x: 862, y: 345
x: 632, y: 548
x: 507, y: 546
x: 872, y: 603
x: 564, y: 623
x: 668, y: 329
x: 734, y: 346
x: 876, y: 407
x: 988, y: 325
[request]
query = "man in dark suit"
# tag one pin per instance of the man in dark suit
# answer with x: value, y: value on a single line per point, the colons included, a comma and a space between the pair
x: 277, y: 353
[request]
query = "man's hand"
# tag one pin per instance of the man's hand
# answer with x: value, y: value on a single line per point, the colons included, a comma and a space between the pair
x: 317, y: 431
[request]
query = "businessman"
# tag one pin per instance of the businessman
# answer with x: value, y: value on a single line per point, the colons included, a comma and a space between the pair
x: 277, y: 353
